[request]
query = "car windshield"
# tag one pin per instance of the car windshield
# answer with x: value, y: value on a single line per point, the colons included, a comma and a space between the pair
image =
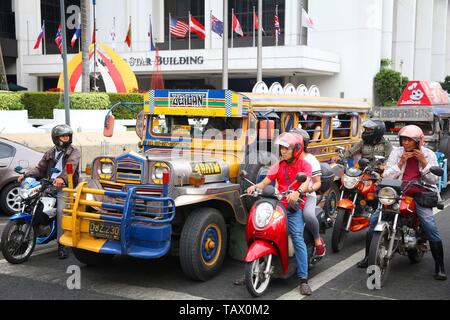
x: 165, y: 125
x: 392, y: 128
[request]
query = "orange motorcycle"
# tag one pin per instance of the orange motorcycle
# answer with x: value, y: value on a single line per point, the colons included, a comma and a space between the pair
x: 358, y: 200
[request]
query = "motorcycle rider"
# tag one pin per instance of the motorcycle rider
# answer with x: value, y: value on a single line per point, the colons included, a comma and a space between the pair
x: 284, y: 172
x: 309, y: 211
x: 372, y: 144
x: 57, y: 157
x: 412, y: 161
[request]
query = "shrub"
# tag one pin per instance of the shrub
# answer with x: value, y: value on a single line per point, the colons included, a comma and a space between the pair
x: 122, y: 112
x: 11, y: 101
x: 446, y: 84
x: 95, y: 101
x: 389, y: 85
x: 40, y: 105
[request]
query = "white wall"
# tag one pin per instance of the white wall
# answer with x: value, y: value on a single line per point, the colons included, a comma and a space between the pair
x: 447, y: 59
x: 387, y: 29
x: 423, y: 39
x: 440, y: 32
x: 352, y: 29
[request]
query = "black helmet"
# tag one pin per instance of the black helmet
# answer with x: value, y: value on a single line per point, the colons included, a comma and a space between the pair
x: 305, y: 136
x: 60, y: 130
x: 377, y: 131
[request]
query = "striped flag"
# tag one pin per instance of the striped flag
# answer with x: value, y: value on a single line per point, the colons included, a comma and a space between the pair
x: 237, y: 26
x: 197, y: 28
x: 178, y: 28
x: 40, y: 37
x: 58, y: 39
x: 277, y: 25
x: 76, y: 35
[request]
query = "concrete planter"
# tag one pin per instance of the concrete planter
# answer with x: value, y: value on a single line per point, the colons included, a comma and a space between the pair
x: 16, y: 121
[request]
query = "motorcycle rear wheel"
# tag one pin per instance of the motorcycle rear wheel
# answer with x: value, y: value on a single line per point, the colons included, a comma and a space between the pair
x: 378, y: 254
x: 256, y: 280
x: 14, y: 248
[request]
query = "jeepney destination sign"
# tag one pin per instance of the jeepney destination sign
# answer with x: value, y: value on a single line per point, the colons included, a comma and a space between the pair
x: 405, y: 113
x: 191, y: 99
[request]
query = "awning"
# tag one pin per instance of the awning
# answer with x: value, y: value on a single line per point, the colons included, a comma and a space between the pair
x: 16, y: 87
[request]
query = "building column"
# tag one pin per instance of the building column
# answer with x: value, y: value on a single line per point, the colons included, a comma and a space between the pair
x: 404, y: 36
x: 292, y: 23
x: 440, y: 32
x: 217, y: 11
x: 447, y: 59
x: 387, y: 27
x: 424, y: 39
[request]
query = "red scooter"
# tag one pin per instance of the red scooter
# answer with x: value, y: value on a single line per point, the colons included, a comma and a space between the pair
x: 270, y: 251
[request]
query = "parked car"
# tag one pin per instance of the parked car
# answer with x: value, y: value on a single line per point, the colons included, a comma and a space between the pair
x: 13, y: 154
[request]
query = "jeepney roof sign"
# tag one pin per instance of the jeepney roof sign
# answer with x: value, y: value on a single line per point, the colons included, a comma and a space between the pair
x: 423, y: 93
x: 404, y: 114
x: 206, y: 103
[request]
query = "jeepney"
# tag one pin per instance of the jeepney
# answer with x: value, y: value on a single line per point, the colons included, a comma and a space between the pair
x: 428, y: 108
x: 181, y: 193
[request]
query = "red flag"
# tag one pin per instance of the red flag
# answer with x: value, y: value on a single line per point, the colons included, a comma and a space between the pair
x: 40, y: 37
x: 237, y: 26
x: 128, y: 37
x: 157, y: 80
x: 196, y: 27
x: 93, y: 34
x: 256, y: 21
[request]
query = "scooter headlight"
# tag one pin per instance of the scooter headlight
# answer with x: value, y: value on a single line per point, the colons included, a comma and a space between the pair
x: 350, y: 182
x: 387, y: 196
x: 263, y: 214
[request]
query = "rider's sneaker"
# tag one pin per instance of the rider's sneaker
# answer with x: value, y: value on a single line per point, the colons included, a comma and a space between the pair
x: 304, y: 287
x: 321, y: 249
x: 62, y: 252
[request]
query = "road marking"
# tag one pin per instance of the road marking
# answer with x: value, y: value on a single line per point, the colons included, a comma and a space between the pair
x: 362, y: 294
x: 108, y: 287
x: 322, y: 278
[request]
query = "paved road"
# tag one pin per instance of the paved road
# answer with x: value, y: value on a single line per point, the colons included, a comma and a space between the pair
x: 335, y: 277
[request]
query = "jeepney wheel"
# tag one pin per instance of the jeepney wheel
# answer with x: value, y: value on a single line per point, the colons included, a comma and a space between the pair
x: 92, y: 258
x: 203, y: 243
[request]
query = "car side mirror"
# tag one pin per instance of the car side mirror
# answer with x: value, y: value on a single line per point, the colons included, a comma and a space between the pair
x: 363, y: 163
x: 300, y: 177
x: 438, y: 171
x: 108, y: 128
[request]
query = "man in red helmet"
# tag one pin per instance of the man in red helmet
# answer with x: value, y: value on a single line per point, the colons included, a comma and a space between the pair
x: 284, y: 172
x: 412, y: 161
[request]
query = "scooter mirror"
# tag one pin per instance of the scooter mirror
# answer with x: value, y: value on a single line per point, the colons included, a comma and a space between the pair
x: 243, y: 174
x: 300, y: 177
x: 269, y: 191
x: 438, y: 171
x: 18, y: 169
x: 363, y: 163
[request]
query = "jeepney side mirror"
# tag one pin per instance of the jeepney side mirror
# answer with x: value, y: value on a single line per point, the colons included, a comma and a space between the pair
x: 300, y: 177
x: 266, y: 129
x: 243, y: 174
x: 108, y: 128
x: 340, y: 150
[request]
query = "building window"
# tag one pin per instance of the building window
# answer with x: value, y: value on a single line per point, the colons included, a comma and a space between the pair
x: 7, y: 20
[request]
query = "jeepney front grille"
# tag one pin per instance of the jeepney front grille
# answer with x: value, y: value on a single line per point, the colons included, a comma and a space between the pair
x: 129, y: 172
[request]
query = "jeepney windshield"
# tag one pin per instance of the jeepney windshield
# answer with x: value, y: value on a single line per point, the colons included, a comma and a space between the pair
x: 168, y: 125
x: 393, y: 127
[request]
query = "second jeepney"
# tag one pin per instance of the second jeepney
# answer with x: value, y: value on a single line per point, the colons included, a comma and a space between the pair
x: 181, y: 193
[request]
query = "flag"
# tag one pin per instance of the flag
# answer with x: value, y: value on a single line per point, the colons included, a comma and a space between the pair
x: 216, y: 25
x: 196, y: 27
x: 277, y: 25
x: 307, y: 21
x: 178, y: 28
x: 128, y: 37
x: 150, y: 34
x: 113, y: 37
x: 237, y: 26
x: 93, y: 34
x: 58, y: 39
x: 39, y: 38
x: 76, y: 35
x: 256, y: 22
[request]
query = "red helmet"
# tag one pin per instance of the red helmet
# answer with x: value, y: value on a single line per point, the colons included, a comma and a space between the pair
x: 292, y: 141
x: 413, y: 132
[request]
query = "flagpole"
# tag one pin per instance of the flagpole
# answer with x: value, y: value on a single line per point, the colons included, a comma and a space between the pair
x: 131, y: 36
x: 114, y: 30
x: 232, y: 17
x: 65, y: 69
x: 95, y: 47
x: 79, y: 38
x: 28, y: 38
x: 301, y: 22
x: 210, y: 29
x: 259, y: 51
x: 150, y: 30
x: 276, y: 31
x: 170, y: 37
x: 189, y: 15
x: 43, y: 23
x: 225, y: 46
x: 253, y: 25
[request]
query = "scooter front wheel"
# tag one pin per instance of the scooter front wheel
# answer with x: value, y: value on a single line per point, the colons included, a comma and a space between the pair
x: 15, y: 248
x: 258, y: 274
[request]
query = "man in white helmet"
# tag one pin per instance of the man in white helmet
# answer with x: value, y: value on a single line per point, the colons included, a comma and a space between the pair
x: 412, y: 161
x: 57, y: 157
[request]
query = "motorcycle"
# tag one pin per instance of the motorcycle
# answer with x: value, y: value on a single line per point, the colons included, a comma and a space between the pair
x: 270, y: 250
x: 398, y: 228
x: 358, y: 200
x: 36, y: 221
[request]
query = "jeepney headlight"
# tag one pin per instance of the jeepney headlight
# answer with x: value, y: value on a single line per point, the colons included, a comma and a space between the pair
x: 263, y: 214
x: 387, y: 196
x: 106, y: 168
x: 350, y: 182
x: 158, y: 171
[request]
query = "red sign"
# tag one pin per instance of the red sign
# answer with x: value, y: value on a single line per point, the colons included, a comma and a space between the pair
x: 423, y: 93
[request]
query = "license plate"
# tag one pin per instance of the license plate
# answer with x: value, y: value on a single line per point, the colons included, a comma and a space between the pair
x: 104, y: 230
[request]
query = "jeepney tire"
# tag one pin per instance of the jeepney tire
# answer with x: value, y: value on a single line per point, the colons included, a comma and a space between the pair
x: 201, y: 222
x: 92, y: 258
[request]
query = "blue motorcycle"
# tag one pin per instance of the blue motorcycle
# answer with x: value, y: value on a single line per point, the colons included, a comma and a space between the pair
x: 36, y: 221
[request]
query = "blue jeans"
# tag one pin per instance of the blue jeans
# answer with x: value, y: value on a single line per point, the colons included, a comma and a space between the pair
x: 296, y: 226
x: 426, y: 219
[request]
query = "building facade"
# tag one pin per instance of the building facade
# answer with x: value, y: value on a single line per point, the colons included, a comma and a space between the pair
x: 341, y: 54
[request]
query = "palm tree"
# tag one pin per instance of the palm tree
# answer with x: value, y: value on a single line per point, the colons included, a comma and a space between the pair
x: 85, y: 15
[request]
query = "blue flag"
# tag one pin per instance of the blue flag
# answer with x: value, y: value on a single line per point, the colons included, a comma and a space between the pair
x: 216, y: 25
